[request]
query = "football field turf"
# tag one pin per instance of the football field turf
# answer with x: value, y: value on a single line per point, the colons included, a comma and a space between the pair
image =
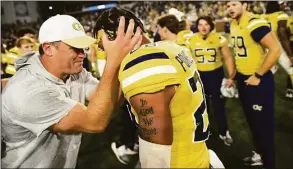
x: 96, y: 150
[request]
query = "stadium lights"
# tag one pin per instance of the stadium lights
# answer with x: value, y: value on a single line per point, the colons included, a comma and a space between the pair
x: 98, y: 7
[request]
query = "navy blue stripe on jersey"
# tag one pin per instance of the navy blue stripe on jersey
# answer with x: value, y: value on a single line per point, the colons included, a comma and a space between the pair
x: 252, y: 19
x: 258, y: 33
x: 160, y: 55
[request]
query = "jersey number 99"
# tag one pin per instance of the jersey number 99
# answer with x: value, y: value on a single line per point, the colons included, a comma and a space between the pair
x: 239, y: 46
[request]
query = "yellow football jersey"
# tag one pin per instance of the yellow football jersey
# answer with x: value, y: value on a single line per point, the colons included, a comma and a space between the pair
x: 207, y: 52
x: 290, y: 26
x: 36, y: 46
x: 15, y: 50
x: 10, y: 68
x: 100, y: 54
x: 3, y: 58
x: 249, y: 54
x: 183, y: 36
x: 151, y: 68
x: 274, y: 18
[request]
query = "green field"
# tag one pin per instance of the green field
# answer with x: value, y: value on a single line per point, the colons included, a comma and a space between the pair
x: 96, y: 152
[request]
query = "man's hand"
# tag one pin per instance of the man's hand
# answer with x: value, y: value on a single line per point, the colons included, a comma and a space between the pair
x: 229, y: 82
x: 117, y: 49
x: 252, y: 80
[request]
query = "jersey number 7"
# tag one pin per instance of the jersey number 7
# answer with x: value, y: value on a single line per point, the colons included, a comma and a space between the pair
x: 201, y: 132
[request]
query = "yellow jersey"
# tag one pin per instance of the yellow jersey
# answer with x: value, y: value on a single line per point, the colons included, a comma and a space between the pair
x: 245, y: 37
x: 290, y: 27
x: 183, y: 36
x: 151, y: 68
x: 207, y: 52
x: 10, y: 68
x: 15, y: 50
x: 36, y: 46
x: 273, y: 20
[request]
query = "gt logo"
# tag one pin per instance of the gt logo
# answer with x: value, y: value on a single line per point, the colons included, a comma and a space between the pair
x: 77, y: 26
x: 257, y: 107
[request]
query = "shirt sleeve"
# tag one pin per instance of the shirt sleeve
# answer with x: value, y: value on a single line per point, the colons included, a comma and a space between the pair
x: 282, y: 16
x: 258, y: 28
x: 41, y: 109
x: 90, y: 83
x: 155, y: 74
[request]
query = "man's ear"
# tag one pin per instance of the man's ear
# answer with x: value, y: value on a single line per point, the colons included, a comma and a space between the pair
x: 47, y: 48
x: 245, y: 6
x: 165, y: 29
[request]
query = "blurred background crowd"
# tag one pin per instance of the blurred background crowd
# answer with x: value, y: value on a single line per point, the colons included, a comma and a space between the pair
x: 28, y: 18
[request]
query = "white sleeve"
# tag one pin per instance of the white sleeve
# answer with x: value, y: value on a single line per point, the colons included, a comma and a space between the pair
x: 40, y: 110
x: 90, y: 83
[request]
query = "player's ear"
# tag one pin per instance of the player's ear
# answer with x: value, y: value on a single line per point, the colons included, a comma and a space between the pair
x: 165, y: 29
x: 244, y: 5
x: 47, y: 48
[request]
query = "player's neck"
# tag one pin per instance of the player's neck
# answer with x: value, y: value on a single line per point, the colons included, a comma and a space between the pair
x: 239, y: 18
x: 204, y: 37
x: 172, y: 37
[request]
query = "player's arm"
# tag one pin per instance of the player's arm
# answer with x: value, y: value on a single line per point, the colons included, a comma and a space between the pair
x: 228, y: 59
x: 274, y: 52
x: 261, y: 33
x: 96, y: 116
x: 154, y: 115
x: 284, y: 37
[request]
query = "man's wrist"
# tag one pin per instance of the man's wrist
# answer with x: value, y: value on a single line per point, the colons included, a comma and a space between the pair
x: 257, y: 75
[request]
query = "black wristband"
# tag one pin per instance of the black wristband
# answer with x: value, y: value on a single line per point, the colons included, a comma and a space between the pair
x: 257, y: 75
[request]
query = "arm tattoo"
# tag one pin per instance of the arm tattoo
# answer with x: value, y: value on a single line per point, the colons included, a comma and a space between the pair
x: 146, y: 120
x: 143, y: 102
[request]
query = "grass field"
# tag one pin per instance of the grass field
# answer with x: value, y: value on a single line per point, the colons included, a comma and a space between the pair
x: 96, y: 152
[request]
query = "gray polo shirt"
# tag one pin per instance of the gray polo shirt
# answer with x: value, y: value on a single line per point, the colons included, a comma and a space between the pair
x: 32, y: 101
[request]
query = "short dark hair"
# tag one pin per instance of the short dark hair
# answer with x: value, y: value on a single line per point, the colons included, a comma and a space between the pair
x: 22, y: 40
x: 209, y: 21
x: 272, y: 6
x: 182, y: 25
x: 24, y: 30
x: 169, y: 21
x: 41, y: 51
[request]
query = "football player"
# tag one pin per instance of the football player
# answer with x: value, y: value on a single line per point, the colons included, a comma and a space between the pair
x: 278, y: 23
x: 170, y: 28
x: 209, y: 48
x: 249, y: 36
x: 162, y: 84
